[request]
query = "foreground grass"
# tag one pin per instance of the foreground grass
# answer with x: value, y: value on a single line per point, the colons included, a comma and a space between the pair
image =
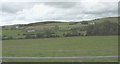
x: 73, y: 46
x: 62, y: 47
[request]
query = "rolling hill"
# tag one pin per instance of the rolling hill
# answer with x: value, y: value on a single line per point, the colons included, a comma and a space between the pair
x: 52, y: 28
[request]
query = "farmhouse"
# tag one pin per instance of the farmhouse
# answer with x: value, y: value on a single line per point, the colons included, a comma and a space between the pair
x: 16, y: 27
x: 92, y: 23
x: 30, y: 30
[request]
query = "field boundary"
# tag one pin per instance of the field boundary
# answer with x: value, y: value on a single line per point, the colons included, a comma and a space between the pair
x: 65, y: 57
x: 73, y: 59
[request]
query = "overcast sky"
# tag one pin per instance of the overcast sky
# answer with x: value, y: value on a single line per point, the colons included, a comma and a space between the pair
x: 28, y: 12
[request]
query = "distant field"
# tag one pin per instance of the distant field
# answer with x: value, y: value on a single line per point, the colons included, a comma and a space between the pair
x: 19, y: 32
x: 62, y: 47
x: 11, y: 32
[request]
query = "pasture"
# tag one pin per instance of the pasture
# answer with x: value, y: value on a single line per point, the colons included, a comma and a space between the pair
x: 62, y: 47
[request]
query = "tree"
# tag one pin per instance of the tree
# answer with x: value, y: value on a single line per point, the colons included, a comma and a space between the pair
x: 84, y: 22
x: 103, y: 28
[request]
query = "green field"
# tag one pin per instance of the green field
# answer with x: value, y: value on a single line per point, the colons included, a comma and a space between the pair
x: 62, y: 47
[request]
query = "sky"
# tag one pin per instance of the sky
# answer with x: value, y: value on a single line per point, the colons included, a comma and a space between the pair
x: 27, y: 11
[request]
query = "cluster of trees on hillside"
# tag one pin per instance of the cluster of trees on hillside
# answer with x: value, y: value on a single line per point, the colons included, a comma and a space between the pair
x: 104, y: 28
x: 119, y: 29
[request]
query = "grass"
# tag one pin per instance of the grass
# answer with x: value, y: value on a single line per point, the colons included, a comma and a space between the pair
x: 52, y: 47
x: 11, y: 32
x: 62, y: 47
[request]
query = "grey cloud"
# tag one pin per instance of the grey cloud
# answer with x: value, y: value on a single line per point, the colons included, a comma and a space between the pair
x: 102, y: 8
x: 119, y: 8
x: 60, y: 11
x: 61, y: 4
x: 13, y: 7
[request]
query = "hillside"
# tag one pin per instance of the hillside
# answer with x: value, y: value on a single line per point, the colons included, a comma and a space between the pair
x: 49, y: 29
x: 112, y: 19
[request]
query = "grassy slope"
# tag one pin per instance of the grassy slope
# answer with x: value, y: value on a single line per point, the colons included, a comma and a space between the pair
x: 112, y: 19
x: 11, y: 32
x: 52, y: 47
